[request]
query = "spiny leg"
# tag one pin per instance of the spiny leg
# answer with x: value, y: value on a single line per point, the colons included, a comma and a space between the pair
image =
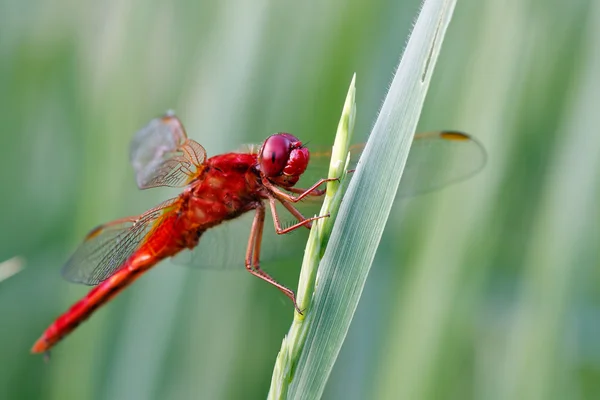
x: 311, y: 191
x: 307, y: 222
x: 253, y: 255
x: 314, y: 192
x: 255, y: 263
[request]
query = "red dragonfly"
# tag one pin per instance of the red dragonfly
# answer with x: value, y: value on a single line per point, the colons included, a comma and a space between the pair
x: 218, y: 189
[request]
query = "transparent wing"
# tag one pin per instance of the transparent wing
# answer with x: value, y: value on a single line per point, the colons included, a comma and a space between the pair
x: 162, y: 155
x: 108, y: 246
x: 436, y: 159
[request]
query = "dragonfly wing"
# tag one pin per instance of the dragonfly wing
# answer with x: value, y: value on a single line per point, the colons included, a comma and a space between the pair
x: 436, y: 159
x: 107, y: 247
x: 162, y: 155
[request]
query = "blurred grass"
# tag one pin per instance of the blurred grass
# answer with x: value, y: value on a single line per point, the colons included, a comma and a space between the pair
x: 487, y: 289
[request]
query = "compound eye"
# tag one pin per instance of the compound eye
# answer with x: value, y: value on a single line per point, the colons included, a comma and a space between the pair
x: 275, y: 154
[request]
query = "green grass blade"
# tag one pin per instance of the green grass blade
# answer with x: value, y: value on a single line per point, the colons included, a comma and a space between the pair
x: 366, y: 207
x: 319, y: 235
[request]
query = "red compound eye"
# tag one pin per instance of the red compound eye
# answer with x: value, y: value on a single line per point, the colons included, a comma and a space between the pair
x: 275, y: 153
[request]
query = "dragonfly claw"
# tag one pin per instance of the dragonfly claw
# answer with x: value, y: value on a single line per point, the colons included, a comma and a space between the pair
x: 298, y: 310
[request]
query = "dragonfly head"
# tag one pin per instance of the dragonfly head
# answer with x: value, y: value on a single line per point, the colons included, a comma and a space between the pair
x: 282, y: 159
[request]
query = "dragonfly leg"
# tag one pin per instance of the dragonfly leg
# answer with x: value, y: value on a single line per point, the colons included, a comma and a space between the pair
x: 307, y: 222
x: 312, y: 191
x: 253, y: 255
x: 302, y: 193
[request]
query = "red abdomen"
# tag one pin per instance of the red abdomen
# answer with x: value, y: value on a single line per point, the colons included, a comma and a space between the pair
x: 98, y: 296
x: 160, y: 245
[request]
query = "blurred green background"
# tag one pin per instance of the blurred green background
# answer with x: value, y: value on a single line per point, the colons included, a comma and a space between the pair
x: 488, y: 289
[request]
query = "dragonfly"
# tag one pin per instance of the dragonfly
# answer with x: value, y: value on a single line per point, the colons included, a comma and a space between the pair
x: 216, y: 190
